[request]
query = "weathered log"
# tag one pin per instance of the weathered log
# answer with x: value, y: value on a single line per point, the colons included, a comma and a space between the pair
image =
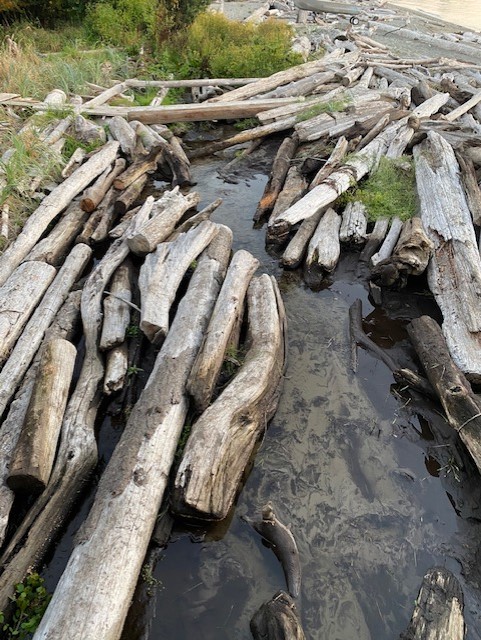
x: 302, y: 87
x: 389, y: 243
x: 77, y: 454
x: 297, y: 247
x: 92, y: 197
x: 280, y: 167
x: 138, y: 168
x: 354, y: 224
x: 116, y: 367
x: 277, y: 619
x: 471, y: 187
x: 113, y: 541
x: 117, y: 313
x: 64, y: 326
x: 106, y: 95
x: 56, y: 98
x: 464, y: 108
x: 294, y: 188
x: 166, y: 213
x: 454, y: 271
x: 162, y: 273
x: 106, y: 216
x: 348, y: 78
x: 129, y: 196
x: 5, y: 210
x: 75, y: 161
x: 227, y: 312
x: 375, y: 131
x: 438, y: 610
x: 34, y: 454
x: 52, y: 205
x: 226, y: 433
x: 410, y: 257
x: 315, y: 102
x: 196, y: 219
x: 123, y: 132
x: 146, y: 138
x: 198, y: 82
x: 331, y: 163
x: 324, y: 248
x: 88, y: 132
x: 461, y: 405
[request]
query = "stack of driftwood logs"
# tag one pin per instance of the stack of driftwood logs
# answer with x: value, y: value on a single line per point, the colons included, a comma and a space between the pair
x: 202, y: 307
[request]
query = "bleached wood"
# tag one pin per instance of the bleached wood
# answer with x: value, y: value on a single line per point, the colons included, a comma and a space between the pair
x: 302, y: 87
x: 196, y: 219
x: 124, y: 134
x: 324, y: 248
x: 199, y: 82
x: 332, y: 162
x: 34, y: 454
x: 4, y: 229
x: 116, y: 367
x: 227, y: 311
x: 137, y: 169
x: 52, y: 205
x: 88, y: 132
x: 105, y: 96
x: 222, y: 440
x: 297, y: 247
x: 471, y: 187
x: 56, y: 98
x: 92, y: 196
x: 454, y: 272
x: 145, y: 137
x: 166, y: 213
x: 75, y: 161
x: 162, y: 273
x: 117, y: 313
x: 112, y: 544
x: 390, y: 241
x: 354, y: 223
x: 374, y: 239
x: 294, y: 188
x: 464, y: 108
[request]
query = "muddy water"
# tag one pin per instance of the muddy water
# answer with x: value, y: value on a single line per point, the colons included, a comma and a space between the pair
x: 374, y: 488
x: 463, y: 12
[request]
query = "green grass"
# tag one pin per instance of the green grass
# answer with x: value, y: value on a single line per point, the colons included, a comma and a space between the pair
x: 389, y: 191
x: 326, y: 107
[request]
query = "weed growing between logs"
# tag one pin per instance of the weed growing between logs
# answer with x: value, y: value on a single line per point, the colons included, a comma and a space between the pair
x: 29, y: 602
x: 326, y: 107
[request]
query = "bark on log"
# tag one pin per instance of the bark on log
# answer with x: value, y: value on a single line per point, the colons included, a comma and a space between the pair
x: 52, y: 205
x: 297, y: 247
x: 280, y: 167
x: 438, y: 612
x: 116, y: 367
x: 227, y: 313
x: 117, y: 313
x: 461, y: 405
x: 112, y: 543
x: 277, y: 619
x: 354, y: 224
x: 92, y: 197
x: 124, y: 134
x: 324, y: 248
x: 166, y: 213
x: 33, y: 458
x: 226, y: 433
x: 106, y: 217
x: 137, y: 169
x: 454, y: 272
x: 129, y: 196
x: 162, y: 273
x: 389, y: 243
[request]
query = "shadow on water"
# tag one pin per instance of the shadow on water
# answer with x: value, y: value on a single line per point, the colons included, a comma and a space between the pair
x: 371, y: 480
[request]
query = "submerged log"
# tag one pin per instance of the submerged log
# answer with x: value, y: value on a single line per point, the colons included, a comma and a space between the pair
x: 438, y: 611
x: 227, y: 313
x: 461, y: 405
x: 277, y: 619
x: 111, y: 546
x: 223, y: 439
x: 33, y: 458
x: 454, y: 271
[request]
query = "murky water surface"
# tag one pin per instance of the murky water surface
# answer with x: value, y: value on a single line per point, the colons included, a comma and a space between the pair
x: 371, y: 481
x: 463, y: 12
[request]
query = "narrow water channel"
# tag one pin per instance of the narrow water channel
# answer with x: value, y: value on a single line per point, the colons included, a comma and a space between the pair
x: 371, y: 481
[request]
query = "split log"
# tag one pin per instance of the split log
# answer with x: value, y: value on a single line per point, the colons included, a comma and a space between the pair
x: 297, y: 247
x: 64, y: 326
x: 112, y: 543
x: 331, y: 163
x: 116, y: 367
x: 454, y: 271
x: 92, y: 197
x: 129, y: 196
x: 438, y: 611
x: 226, y: 433
x: 471, y: 187
x: 18, y: 298
x: 137, y: 169
x: 52, y: 205
x: 277, y: 176
x: 34, y: 454
x: 294, y: 188
x: 227, y: 313
x: 389, y: 243
x: 354, y: 224
x: 116, y: 312
x: 410, y: 257
x: 123, y: 132
x: 461, y: 405
x: 166, y: 213
x: 277, y: 619
x: 162, y: 273
x: 77, y: 454
x: 324, y: 248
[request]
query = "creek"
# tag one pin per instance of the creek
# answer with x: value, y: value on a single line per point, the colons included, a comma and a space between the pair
x: 375, y: 487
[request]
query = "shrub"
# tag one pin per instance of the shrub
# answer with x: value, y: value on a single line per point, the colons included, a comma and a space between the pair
x: 175, y: 15
x: 127, y: 23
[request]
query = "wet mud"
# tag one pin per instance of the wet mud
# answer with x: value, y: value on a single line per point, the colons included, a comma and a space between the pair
x: 376, y: 486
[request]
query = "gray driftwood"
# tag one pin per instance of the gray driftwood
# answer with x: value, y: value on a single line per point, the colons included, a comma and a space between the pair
x: 277, y: 619
x: 116, y: 312
x: 324, y: 248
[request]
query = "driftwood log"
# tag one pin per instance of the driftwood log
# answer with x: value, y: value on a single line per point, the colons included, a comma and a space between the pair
x: 277, y: 619
x: 116, y: 311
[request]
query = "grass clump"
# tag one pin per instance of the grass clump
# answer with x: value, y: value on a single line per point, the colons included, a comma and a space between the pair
x: 389, y: 191
x: 326, y: 107
x: 214, y: 46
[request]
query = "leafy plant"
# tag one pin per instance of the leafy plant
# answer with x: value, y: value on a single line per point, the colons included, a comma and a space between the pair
x: 133, y: 331
x: 29, y: 601
x: 134, y: 370
x: 128, y: 23
x: 325, y: 107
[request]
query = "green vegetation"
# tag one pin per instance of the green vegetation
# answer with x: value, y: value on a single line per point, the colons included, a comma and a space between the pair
x: 233, y: 360
x: 29, y: 603
x: 389, y: 191
x: 184, y: 436
x: 325, y: 107
x: 129, y: 23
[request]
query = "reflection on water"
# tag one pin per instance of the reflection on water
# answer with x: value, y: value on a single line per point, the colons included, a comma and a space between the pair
x: 463, y: 12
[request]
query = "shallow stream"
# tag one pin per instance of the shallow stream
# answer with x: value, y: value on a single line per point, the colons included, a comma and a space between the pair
x: 369, y: 478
